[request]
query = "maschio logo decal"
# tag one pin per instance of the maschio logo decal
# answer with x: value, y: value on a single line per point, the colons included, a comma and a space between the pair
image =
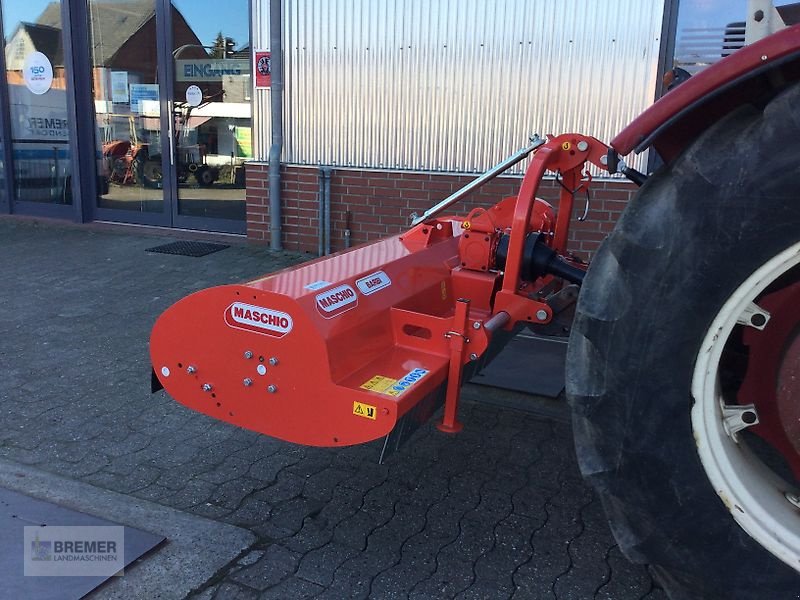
x: 258, y: 319
x: 373, y: 283
x: 333, y: 302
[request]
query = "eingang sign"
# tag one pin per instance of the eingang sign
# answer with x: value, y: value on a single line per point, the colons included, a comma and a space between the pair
x: 209, y: 70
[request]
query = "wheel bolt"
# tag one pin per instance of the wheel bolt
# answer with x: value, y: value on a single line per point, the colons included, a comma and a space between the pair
x: 207, y: 387
x: 273, y: 361
x: 272, y: 389
x: 247, y: 382
x: 248, y: 355
x: 191, y: 370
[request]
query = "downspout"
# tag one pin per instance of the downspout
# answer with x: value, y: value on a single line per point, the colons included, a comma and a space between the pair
x: 324, y: 209
x: 276, y: 101
x: 326, y: 178
x: 321, y: 212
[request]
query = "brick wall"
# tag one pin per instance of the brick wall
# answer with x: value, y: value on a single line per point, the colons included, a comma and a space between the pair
x: 380, y: 203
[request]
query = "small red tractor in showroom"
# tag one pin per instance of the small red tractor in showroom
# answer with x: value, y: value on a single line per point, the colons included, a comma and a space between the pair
x: 683, y: 368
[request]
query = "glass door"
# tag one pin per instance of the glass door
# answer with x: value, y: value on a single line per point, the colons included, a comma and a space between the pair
x: 171, y: 86
x: 127, y: 92
x: 211, y: 112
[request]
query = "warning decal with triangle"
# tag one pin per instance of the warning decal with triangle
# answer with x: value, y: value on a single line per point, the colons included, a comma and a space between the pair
x: 364, y: 410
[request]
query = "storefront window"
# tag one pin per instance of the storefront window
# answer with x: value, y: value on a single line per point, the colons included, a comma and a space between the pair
x: 126, y: 102
x: 38, y: 102
x: 212, y: 116
x: 208, y: 132
x: 709, y: 30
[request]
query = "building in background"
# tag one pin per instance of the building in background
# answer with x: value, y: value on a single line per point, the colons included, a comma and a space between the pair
x: 403, y: 101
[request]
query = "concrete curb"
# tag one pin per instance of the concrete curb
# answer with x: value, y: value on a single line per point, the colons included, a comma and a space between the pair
x: 196, y: 548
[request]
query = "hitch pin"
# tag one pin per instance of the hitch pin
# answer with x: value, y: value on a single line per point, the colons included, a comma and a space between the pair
x: 584, y: 184
x: 450, y: 334
x: 586, y: 207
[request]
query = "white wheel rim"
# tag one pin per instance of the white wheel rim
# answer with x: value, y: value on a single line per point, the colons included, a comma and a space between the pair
x: 752, y: 493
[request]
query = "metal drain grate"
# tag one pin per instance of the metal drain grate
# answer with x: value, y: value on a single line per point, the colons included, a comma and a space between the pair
x: 195, y: 249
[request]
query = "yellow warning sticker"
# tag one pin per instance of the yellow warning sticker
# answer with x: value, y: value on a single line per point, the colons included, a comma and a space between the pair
x: 378, y: 384
x: 364, y: 410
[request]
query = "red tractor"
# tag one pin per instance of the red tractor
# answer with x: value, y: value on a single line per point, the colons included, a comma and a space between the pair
x: 683, y: 366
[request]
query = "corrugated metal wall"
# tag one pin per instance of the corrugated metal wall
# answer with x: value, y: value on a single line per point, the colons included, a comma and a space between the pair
x: 259, y: 40
x: 454, y: 85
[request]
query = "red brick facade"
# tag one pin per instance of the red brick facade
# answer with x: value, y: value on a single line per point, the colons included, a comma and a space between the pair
x: 380, y: 203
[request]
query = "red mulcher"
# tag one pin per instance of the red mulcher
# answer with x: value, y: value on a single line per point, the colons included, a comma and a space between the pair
x: 684, y: 357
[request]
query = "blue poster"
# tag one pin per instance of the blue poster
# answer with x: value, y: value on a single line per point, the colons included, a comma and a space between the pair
x: 142, y: 91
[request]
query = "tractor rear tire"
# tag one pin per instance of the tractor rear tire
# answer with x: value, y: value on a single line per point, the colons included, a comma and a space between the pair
x: 150, y: 172
x: 694, y: 235
x: 206, y: 176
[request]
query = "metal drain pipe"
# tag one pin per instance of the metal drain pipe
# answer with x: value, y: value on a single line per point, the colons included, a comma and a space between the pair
x: 326, y: 180
x: 276, y: 105
x: 324, y: 208
x: 321, y: 213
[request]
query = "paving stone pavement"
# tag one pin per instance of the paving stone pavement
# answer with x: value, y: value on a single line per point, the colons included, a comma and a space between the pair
x: 499, y: 511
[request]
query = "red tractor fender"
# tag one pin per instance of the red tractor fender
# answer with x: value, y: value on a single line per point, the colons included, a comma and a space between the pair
x: 750, y: 75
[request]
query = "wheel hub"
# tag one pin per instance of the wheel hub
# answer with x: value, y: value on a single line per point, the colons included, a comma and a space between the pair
x: 751, y: 485
x: 788, y: 392
x: 774, y: 359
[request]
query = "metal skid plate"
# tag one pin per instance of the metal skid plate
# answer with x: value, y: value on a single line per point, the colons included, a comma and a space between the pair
x: 532, y: 365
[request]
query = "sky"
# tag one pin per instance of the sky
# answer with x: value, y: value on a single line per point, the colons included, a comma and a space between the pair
x: 21, y: 10
x: 204, y: 16
x: 206, y: 19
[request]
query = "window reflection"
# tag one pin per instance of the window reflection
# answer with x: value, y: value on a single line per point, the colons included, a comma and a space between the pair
x: 38, y: 103
x: 212, y: 107
x: 709, y: 30
x: 126, y: 102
